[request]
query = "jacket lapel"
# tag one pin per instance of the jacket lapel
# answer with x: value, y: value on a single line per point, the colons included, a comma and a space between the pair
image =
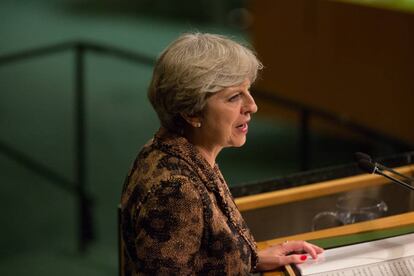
x: 211, y: 177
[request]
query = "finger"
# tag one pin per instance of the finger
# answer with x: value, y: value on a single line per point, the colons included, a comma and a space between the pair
x: 316, y: 248
x: 298, y: 246
x: 308, y: 248
x: 319, y: 250
x: 292, y: 259
x: 291, y: 246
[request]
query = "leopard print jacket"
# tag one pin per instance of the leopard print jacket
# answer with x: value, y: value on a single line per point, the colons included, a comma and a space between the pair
x: 178, y: 216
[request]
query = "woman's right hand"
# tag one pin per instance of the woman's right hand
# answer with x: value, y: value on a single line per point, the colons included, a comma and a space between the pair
x: 281, y: 254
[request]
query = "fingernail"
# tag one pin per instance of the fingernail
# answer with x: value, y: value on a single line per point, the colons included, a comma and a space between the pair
x: 303, y: 257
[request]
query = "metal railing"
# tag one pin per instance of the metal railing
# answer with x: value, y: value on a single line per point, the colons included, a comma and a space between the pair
x: 316, y: 175
x: 78, y: 187
x: 306, y: 113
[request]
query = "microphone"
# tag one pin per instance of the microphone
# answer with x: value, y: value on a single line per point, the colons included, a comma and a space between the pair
x: 373, y: 168
x: 360, y: 156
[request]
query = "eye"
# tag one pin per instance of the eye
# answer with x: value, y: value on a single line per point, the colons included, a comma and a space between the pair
x: 235, y: 97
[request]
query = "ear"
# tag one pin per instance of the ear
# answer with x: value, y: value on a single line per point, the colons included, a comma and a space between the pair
x: 193, y: 120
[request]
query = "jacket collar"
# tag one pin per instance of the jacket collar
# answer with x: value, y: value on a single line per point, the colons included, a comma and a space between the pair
x: 180, y: 147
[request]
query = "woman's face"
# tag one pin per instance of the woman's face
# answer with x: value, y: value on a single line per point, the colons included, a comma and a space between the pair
x: 225, y: 118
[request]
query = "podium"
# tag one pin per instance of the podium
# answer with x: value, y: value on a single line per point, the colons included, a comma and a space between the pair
x: 280, y: 207
x: 351, y: 234
x: 347, y: 57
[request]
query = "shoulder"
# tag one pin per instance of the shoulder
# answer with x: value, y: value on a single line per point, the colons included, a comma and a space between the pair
x: 175, y: 188
x: 153, y: 165
x: 156, y: 173
x: 156, y: 162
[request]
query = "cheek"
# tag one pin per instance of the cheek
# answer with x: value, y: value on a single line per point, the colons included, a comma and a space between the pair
x: 221, y: 128
x: 222, y: 120
x: 227, y: 123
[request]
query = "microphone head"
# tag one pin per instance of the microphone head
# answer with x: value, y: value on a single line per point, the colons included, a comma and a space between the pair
x: 362, y: 156
x: 367, y: 165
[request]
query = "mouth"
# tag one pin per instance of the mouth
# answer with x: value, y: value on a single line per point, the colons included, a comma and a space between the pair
x: 243, y: 127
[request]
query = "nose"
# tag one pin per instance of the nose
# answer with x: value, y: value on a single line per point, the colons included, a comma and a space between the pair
x: 249, y: 105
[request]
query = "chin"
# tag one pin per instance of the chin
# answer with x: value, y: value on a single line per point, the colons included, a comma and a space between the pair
x: 239, y: 144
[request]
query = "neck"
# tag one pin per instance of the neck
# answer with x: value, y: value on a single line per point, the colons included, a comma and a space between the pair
x: 204, y: 147
x: 209, y: 154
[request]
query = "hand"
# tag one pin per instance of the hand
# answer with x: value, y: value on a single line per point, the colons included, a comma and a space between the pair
x: 277, y: 255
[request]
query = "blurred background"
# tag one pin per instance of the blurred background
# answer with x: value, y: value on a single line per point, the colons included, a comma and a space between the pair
x: 74, y: 112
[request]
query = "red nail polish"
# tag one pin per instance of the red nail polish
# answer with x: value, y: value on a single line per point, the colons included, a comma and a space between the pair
x: 303, y: 257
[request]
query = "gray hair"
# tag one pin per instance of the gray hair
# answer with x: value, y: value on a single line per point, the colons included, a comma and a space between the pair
x: 191, y: 69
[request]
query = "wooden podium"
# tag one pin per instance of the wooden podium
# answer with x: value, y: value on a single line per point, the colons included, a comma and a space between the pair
x: 350, y: 234
x: 352, y: 59
x: 395, y: 224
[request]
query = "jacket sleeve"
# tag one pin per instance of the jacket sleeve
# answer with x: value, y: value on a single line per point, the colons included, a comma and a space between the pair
x: 169, y: 228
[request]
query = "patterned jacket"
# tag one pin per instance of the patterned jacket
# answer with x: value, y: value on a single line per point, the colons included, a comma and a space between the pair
x: 178, y: 216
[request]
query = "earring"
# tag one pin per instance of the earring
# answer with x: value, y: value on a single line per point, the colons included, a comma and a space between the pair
x: 197, y: 125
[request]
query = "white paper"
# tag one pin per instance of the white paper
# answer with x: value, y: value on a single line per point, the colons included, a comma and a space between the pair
x: 394, y: 255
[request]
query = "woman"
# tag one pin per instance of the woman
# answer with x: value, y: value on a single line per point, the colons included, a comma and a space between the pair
x: 178, y: 216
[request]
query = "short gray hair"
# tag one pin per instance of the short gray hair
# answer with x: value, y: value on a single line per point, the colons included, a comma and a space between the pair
x: 192, y: 68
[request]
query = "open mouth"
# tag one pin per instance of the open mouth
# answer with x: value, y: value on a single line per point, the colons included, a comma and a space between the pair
x: 242, y: 127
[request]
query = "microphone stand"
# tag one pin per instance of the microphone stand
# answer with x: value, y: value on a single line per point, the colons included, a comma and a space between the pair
x: 365, y: 163
x: 380, y: 172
